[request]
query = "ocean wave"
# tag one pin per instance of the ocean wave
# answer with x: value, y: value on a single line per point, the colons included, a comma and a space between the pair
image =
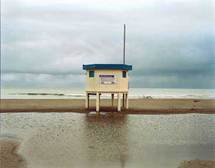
x: 49, y: 94
x: 131, y: 95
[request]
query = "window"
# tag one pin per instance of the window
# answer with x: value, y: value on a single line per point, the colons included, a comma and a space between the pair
x: 124, y: 74
x: 91, y: 74
x: 107, y: 79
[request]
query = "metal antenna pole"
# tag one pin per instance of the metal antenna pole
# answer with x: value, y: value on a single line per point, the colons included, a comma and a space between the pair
x: 124, y: 44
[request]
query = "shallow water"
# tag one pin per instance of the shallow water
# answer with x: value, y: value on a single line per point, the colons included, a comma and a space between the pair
x: 65, y: 140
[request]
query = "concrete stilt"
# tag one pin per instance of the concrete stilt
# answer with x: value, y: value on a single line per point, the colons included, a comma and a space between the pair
x: 123, y: 100
x: 87, y: 101
x: 126, y: 106
x: 97, y: 102
x: 112, y: 99
x: 99, y: 98
x: 119, y: 102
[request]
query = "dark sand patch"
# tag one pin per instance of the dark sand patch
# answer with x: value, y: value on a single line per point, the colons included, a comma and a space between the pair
x: 9, y: 158
x: 197, y: 164
x: 136, y: 106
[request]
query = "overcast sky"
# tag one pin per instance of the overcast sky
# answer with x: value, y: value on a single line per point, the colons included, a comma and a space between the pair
x: 170, y: 43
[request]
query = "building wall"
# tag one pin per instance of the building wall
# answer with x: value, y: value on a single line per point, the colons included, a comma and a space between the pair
x: 94, y: 84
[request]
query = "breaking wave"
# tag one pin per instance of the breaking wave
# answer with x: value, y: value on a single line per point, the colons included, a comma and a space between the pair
x: 134, y: 93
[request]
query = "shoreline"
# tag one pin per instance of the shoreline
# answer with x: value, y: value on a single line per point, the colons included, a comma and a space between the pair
x: 136, y: 106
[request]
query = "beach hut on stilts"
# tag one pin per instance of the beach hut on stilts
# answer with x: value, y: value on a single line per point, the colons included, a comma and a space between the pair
x: 108, y: 78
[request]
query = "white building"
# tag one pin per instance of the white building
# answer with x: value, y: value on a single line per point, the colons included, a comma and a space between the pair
x: 107, y: 78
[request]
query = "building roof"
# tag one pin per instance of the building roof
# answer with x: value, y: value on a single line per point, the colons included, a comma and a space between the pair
x: 107, y: 66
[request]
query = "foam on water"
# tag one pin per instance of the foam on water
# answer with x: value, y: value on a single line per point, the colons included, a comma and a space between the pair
x: 77, y: 93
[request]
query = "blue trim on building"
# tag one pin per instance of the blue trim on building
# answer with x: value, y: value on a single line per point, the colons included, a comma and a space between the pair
x: 107, y: 66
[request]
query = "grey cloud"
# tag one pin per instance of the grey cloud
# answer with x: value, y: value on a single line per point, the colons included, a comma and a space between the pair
x: 41, y: 80
x: 167, y: 43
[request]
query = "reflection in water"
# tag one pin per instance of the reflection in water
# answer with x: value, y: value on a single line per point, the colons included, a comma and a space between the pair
x: 106, y: 136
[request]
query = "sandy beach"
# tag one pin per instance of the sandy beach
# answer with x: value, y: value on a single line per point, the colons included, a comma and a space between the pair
x: 136, y: 106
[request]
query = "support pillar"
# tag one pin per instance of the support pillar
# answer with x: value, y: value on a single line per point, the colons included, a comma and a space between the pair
x: 126, y: 99
x: 87, y: 101
x: 97, y: 101
x: 112, y: 99
x: 119, y: 102
x: 99, y: 98
x: 123, y: 100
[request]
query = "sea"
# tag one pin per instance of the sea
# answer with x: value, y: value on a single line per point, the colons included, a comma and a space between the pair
x: 79, y: 93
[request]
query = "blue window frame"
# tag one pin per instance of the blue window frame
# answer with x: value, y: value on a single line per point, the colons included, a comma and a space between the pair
x: 124, y: 74
x: 91, y: 74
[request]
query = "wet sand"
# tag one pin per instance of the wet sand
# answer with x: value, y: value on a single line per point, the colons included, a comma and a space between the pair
x: 136, y: 106
x: 54, y: 140
x: 197, y: 164
x: 9, y: 158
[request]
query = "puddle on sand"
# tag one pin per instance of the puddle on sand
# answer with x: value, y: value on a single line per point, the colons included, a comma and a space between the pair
x: 67, y: 140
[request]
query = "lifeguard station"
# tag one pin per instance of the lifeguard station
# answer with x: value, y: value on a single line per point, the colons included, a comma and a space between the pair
x: 108, y: 78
